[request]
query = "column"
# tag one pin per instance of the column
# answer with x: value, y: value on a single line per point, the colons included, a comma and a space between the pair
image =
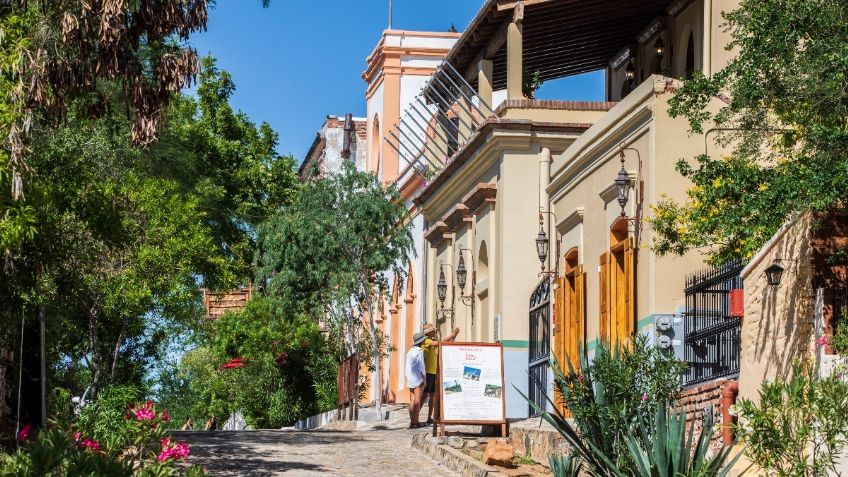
x: 514, y: 55
x: 484, y: 81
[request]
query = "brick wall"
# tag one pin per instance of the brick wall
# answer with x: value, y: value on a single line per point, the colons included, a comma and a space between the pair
x: 695, y: 400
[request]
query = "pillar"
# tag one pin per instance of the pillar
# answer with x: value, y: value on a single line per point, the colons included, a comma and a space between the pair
x: 484, y: 81
x: 514, y: 55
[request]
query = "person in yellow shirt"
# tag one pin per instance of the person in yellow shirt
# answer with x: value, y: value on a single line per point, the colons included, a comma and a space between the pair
x: 431, y: 363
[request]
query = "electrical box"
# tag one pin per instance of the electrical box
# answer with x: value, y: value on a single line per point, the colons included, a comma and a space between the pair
x: 668, y: 333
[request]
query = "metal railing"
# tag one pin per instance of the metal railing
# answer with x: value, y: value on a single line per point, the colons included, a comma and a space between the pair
x: 438, y: 121
x: 712, y: 336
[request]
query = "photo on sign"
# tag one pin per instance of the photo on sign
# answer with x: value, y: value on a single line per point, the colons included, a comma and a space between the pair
x: 452, y: 387
x: 471, y: 373
x: 492, y: 391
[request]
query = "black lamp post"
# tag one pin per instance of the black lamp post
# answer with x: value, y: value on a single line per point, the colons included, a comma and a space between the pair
x: 774, y: 273
x: 659, y: 51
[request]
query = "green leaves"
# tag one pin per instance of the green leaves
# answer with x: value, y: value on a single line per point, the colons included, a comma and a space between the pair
x: 799, y: 425
x: 785, y: 123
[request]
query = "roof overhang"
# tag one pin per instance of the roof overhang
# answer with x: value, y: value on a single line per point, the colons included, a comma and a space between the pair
x: 560, y: 37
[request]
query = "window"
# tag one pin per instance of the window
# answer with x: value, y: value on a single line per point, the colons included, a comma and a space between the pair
x: 617, y: 284
x: 570, y: 316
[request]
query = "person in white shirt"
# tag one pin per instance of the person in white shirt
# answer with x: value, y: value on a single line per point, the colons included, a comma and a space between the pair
x: 415, y: 378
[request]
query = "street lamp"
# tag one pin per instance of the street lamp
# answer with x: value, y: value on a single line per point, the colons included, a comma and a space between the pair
x: 659, y: 51
x: 774, y: 273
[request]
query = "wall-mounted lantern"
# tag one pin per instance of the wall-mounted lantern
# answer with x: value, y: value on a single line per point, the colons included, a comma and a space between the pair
x: 461, y: 274
x: 543, y: 247
x: 659, y: 51
x: 774, y: 273
x: 442, y: 292
x: 630, y: 74
x: 623, y: 184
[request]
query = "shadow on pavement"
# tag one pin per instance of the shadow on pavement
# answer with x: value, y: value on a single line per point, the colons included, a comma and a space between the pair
x: 232, y: 453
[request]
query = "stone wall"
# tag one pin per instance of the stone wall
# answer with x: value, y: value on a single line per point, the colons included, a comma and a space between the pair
x: 778, y: 324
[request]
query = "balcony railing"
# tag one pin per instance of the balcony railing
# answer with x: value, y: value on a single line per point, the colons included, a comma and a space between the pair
x: 439, y: 121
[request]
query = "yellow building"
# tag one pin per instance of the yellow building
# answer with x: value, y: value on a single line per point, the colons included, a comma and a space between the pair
x: 500, y: 158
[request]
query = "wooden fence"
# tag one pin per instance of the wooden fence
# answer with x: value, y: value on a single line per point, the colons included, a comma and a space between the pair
x: 348, y: 386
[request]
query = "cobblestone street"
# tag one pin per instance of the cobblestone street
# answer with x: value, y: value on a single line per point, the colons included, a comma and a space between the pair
x: 382, y: 450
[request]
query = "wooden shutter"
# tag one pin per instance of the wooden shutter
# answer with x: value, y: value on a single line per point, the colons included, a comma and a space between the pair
x: 579, y: 320
x: 630, y: 284
x: 560, y: 331
x: 604, y: 297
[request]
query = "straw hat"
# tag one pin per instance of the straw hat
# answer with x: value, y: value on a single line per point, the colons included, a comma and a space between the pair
x: 428, y: 329
x: 418, y: 338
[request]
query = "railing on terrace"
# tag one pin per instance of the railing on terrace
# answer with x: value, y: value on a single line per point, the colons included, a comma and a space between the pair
x: 712, y: 335
x: 438, y: 121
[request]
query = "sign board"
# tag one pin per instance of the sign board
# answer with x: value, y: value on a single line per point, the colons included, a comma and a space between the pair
x: 471, y: 383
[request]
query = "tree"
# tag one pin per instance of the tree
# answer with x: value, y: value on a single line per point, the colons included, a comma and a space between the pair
x: 122, y: 236
x: 784, y: 120
x: 338, y: 245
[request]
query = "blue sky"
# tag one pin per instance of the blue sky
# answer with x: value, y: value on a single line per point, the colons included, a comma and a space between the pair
x: 296, y: 62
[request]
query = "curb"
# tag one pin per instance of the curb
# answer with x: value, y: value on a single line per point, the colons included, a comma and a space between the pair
x: 434, y: 448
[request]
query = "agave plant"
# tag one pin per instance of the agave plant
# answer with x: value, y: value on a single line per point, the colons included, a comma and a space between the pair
x: 668, y: 449
x: 624, y: 419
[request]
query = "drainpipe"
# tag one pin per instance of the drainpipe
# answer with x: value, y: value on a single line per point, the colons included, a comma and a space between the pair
x: 728, y: 397
x: 707, y: 55
x: 544, y: 181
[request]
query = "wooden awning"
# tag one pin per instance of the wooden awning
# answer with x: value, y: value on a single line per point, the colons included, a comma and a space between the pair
x: 561, y: 37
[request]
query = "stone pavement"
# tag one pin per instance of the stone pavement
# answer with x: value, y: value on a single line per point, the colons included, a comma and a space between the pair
x: 376, y: 450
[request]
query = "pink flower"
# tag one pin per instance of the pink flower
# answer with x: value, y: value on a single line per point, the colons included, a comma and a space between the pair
x: 77, y: 436
x: 644, y: 397
x: 172, y: 451
x: 822, y: 341
x: 144, y: 414
x: 24, y: 432
x: 580, y: 378
x: 91, y: 445
x: 165, y: 416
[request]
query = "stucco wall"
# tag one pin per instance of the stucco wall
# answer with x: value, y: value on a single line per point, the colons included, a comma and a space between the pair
x: 778, y: 324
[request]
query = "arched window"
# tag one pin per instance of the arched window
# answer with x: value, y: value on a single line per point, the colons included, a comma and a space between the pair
x: 376, y: 141
x: 690, y: 56
x: 483, y: 262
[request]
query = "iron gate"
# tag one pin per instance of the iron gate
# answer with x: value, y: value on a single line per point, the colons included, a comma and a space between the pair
x: 712, y: 336
x: 540, y: 344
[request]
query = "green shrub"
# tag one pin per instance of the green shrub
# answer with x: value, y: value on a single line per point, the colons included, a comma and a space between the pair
x: 138, y: 448
x: 624, y: 420
x: 800, y: 425
x: 618, y: 390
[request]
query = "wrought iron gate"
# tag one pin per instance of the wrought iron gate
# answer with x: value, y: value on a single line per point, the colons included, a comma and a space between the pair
x: 712, y: 336
x: 540, y: 344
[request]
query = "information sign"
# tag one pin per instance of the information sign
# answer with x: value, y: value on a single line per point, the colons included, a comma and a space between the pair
x: 471, y: 384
